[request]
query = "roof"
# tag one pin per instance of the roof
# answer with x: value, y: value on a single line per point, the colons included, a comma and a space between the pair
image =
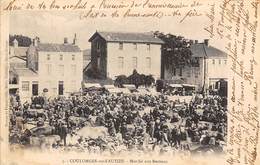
x: 19, y: 51
x: 201, y: 50
x: 128, y: 37
x: 88, y: 85
x: 51, y: 47
x: 25, y: 72
x: 17, y: 62
x: 18, y: 58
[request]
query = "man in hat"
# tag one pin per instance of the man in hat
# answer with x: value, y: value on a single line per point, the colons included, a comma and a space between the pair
x: 157, y: 127
x: 111, y: 127
x: 19, y: 121
x: 63, y: 132
x: 151, y: 126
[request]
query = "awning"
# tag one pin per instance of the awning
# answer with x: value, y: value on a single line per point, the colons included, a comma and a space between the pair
x: 176, y: 85
x: 89, y: 85
x: 118, y: 90
x: 109, y: 86
x: 129, y: 86
x: 188, y: 85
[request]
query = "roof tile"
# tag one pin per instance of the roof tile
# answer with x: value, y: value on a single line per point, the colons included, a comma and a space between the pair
x: 129, y: 37
x: 50, y: 47
x: 201, y: 50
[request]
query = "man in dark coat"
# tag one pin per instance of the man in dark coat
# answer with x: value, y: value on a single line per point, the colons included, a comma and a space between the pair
x: 63, y: 132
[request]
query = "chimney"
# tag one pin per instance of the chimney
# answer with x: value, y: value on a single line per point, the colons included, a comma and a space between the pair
x: 196, y: 41
x: 206, y: 42
x: 65, y: 40
x: 15, y: 43
x: 36, y: 41
x: 75, y: 39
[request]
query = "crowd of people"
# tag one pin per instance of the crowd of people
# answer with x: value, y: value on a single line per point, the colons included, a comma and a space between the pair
x: 140, y: 122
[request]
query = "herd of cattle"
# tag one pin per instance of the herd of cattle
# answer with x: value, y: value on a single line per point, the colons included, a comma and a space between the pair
x: 31, y: 128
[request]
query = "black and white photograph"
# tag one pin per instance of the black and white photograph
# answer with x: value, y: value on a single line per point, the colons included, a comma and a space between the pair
x: 129, y: 82
x: 117, y: 90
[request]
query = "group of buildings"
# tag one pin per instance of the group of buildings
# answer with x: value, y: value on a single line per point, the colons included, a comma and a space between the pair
x: 45, y: 68
x: 57, y: 69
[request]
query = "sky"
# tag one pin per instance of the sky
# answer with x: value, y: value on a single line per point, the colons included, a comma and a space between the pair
x: 53, y: 26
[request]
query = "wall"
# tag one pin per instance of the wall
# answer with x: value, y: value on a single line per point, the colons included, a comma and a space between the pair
x: 128, y: 53
x: 17, y: 62
x: 216, y: 71
x: 188, y: 74
x: 71, y: 78
x: 26, y: 95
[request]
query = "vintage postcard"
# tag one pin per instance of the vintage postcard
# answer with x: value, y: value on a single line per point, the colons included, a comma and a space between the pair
x: 136, y: 82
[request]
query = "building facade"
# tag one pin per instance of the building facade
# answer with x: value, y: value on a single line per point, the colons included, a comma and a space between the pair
x: 217, y: 69
x: 208, y: 65
x: 52, y: 69
x: 117, y: 53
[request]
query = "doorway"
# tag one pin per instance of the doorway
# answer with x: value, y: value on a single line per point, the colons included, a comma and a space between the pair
x: 61, y: 88
x: 35, y: 88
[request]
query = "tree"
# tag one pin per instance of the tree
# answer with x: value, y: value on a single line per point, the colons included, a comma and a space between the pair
x: 94, y: 73
x: 23, y: 41
x: 175, y: 50
x: 135, y: 79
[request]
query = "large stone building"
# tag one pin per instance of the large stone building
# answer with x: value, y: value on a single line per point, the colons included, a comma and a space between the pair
x: 208, y: 66
x: 119, y: 53
x: 56, y: 68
